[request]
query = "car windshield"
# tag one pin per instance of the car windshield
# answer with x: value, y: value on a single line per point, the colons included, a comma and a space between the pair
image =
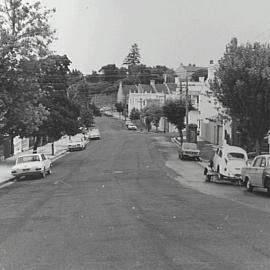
x: 234, y: 155
x: 191, y: 146
x: 28, y: 159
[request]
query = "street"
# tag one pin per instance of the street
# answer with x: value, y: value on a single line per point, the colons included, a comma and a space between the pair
x: 127, y: 202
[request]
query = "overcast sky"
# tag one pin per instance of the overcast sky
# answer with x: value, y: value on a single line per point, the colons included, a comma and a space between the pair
x: 94, y: 33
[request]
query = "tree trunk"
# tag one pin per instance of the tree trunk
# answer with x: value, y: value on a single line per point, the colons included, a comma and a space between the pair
x: 257, y: 146
x: 37, y: 140
x: 181, y: 136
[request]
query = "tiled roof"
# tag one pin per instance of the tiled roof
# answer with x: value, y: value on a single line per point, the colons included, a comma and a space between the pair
x: 129, y: 88
x: 147, y: 88
x: 161, y: 88
x: 172, y: 86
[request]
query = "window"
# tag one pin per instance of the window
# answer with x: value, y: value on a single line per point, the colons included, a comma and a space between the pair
x: 236, y: 156
x: 263, y: 163
x: 257, y: 162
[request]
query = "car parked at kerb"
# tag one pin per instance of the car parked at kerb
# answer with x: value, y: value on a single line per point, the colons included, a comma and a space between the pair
x: 32, y: 164
x: 189, y: 151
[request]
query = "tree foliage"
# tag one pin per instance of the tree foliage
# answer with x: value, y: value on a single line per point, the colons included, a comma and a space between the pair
x: 153, y: 113
x: 175, y: 112
x: 134, y: 57
x: 199, y: 73
x: 135, y: 114
x: 242, y: 85
x: 25, y: 34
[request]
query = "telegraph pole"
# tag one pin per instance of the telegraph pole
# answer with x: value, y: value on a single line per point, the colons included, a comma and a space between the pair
x: 187, y: 137
x: 141, y: 113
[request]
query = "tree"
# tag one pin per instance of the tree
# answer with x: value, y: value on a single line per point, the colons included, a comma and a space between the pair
x: 134, y: 57
x: 119, y: 107
x: 110, y: 73
x: 175, y: 112
x: 134, y: 114
x: 153, y: 114
x: 24, y: 38
x: 199, y: 73
x: 86, y: 118
x: 242, y: 85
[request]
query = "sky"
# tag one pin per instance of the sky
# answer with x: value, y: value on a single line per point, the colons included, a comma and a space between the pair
x: 94, y: 33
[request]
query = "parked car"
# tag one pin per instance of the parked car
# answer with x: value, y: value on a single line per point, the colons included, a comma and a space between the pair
x: 108, y: 113
x: 128, y: 122
x: 32, y: 164
x: 78, y: 142
x: 257, y: 174
x: 189, y: 150
x: 131, y: 127
x: 93, y: 134
x: 228, y: 161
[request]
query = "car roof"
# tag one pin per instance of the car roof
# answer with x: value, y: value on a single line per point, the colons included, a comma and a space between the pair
x: 265, y: 155
x: 230, y: 148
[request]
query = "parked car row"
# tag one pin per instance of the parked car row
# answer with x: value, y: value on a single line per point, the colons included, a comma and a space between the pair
x: 130, y: 125
x: 39, y: 164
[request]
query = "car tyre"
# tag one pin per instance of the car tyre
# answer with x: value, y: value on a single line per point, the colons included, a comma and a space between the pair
x: 49, y: 171
x: 43, y: 173
x: 249, y: 187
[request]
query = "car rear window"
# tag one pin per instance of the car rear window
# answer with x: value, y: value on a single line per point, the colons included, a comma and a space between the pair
x: 235, y: 156
x: 192, y: 146
x: 28, y: 159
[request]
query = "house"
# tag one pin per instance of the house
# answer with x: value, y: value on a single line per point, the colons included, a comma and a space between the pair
x: 214, y: 125
x: 142, y: 95
x: 187, y: 71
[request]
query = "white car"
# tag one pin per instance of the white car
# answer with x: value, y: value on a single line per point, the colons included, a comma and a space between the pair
x: 229, y: 160
x: 93, y: 134
x: 77, y: 143
x: 131, y: 127
x: 32, y: 164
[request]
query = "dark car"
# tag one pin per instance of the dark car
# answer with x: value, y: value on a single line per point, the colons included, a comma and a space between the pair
x: 189, y: 150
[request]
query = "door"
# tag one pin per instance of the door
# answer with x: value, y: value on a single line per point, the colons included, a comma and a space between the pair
x: 260, y: 169
x: 254, y: 169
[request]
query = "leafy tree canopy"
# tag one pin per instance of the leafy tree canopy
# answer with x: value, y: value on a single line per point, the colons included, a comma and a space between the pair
x: 134, y: 57
x: 242, y: 85
x: 134, y: 114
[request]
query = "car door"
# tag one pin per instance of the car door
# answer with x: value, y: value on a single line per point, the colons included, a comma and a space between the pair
x: 216, y: 159
x: 253, y: 170
x: 259, y: 173
x: 45, y: 161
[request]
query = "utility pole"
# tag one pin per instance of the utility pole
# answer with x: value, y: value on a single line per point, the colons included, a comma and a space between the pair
x: 187, y: 136
x: 141, y: 113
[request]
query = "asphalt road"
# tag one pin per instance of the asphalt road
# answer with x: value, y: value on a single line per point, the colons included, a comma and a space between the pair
x: 127, y: 202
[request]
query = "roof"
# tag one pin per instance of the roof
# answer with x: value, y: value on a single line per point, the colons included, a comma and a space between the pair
x: 161, y: 88
x: 227, y: 148
x: 147, y: 88
x: 129, y: 88
x: 172, y: 86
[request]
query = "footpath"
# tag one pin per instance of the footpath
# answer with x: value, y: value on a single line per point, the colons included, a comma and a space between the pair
x: 60, y: 148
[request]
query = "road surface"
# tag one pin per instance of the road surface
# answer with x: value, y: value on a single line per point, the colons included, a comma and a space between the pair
x: 127, y: 202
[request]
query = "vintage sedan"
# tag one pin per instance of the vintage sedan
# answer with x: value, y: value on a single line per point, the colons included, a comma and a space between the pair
x: 32, y: 164
x: 78, y: 142
x: 189, y: 150
x: 131, y: 127
x: 257, y: 174
x: 228, y: 161
x: 93, y: 134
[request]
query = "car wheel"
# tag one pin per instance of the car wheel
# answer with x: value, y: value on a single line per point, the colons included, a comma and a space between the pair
x: 219, y: 175
x: 249, y: 187
x: 43, y: 173
x: 49, y: 171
